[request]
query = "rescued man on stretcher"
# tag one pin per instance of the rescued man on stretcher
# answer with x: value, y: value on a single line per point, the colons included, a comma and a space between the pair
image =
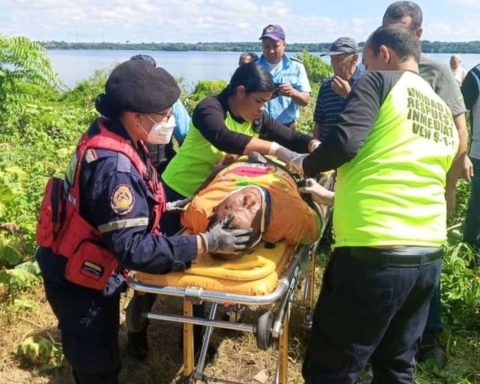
x: 252, y: 192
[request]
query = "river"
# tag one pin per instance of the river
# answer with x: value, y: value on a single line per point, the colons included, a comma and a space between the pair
x: 189, y: 66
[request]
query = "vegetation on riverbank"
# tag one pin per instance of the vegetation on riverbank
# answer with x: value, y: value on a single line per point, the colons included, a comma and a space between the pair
x: 427, y: 46
x: 39, y: 127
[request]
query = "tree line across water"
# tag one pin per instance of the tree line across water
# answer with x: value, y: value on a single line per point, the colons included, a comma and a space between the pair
x: 427, y: 46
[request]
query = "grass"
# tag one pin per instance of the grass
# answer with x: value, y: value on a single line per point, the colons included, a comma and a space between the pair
x: 238, y: 359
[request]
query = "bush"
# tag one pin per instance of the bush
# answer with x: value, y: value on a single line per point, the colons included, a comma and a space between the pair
x: 203, y: 89
x: 25, y: 76
x: 317, y: 69
x: 40, y: 127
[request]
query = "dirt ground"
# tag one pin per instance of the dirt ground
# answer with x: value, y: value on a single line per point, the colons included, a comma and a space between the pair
x: 238, y: 359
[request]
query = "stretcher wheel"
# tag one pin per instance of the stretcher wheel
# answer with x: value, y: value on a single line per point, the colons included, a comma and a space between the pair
x: 264, y: 331
x: 135, y: 317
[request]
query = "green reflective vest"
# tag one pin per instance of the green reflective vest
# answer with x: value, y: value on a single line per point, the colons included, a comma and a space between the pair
x: 197, y: 157
x: 393, y: 191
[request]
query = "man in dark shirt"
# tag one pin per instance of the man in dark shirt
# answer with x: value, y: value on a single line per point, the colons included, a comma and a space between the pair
x: 439, y: 76
x: 471, y: 92
x: 389, y: 234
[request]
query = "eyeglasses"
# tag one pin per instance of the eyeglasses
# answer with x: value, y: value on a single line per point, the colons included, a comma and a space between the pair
x: 165, y: 116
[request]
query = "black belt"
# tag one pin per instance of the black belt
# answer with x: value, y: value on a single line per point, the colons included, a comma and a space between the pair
x: 397, y: 257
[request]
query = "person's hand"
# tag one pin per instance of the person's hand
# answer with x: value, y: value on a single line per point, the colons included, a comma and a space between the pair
x: 340, y: 86
x: 221, y: 239
x: 229, y: 158
x: 283, y: 154
x: 319, y: 193
x: 451, y: 199
x: 467, y: 170
x: 296, y: 164
x: 285, y: 90
x: 177, y: 206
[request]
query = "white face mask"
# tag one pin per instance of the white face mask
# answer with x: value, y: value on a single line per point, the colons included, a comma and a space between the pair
x: 161, y: 132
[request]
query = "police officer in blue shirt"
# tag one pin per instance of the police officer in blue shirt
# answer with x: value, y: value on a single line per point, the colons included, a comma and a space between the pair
x: 291, y: 81
x: 112, y: 197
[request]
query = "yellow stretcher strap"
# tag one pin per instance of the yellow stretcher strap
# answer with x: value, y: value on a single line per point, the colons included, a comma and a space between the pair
x: 253, y: 266
x: 279, y: 256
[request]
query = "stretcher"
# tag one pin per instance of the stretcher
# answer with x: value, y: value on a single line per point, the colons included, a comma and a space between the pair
x: 266, y: 277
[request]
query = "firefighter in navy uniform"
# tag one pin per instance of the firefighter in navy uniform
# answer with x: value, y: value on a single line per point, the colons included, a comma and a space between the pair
x: 104, y: 218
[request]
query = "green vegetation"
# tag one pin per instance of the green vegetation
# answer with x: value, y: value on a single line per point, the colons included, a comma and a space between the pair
x: 316, y: 68
x: 427, y: 46
x: 317, y: 71
x: 40, y: 124
x: 234, y: 46
x: 202, y: 89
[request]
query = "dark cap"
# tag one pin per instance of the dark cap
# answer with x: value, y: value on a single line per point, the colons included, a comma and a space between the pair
x: 274, y: 32
x: 342, y: 45
x: 139, y: 86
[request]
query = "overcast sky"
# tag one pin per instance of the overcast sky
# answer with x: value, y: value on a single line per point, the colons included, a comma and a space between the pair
x: 194, y: 21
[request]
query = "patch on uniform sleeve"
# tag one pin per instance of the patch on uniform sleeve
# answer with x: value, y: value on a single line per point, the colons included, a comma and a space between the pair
x: 122, y: 199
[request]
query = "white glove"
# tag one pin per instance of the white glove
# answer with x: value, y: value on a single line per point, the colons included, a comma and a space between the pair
x: 319, y: 193
x: 283, y: 154
x: 296, y: 164
x: 178, y: 206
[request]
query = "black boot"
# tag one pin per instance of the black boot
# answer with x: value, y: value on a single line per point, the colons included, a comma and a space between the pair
x: 432, y: 351
x: 100, y: 378
x: 137, y: 345
x: 137, y: 324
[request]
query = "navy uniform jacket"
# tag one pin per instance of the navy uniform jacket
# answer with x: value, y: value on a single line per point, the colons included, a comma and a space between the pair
x: 115, y: 199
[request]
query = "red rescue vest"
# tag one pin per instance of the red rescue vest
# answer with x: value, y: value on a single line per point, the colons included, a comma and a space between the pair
x: 62, y: 228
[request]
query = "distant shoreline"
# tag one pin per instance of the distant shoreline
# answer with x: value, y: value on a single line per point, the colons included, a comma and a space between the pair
x: 427, y: 46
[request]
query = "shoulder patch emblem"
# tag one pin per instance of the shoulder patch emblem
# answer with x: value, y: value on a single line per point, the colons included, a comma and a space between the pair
x: 122, y: 199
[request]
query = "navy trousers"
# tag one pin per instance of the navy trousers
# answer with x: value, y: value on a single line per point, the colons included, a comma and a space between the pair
x: 472, y: 218
x: 368, y: 311
x: 88, y: 322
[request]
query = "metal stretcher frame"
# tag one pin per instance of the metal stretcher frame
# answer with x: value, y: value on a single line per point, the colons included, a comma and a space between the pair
x: 278, y: 329
x: 266, y: 328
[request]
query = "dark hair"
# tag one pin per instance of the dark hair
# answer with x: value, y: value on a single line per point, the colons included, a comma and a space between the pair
x: 400, y: 9
x: 252, y: 55
x: 253, y: 77
x: 397, y: 37
x: 148, y: 58
x: 107, y: 109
